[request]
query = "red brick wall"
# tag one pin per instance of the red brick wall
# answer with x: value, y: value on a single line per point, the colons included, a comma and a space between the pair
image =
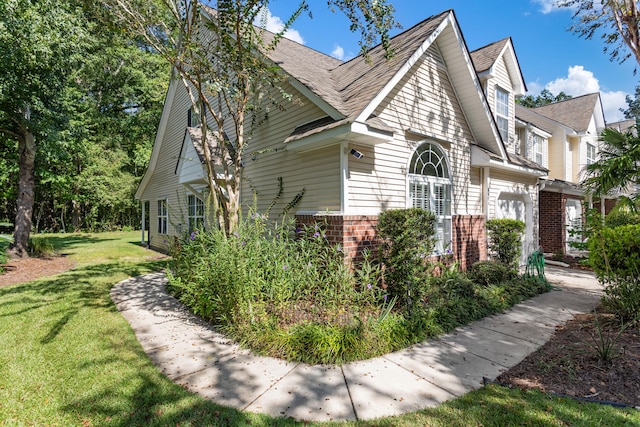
x: 469, y: 239
x: 551, y: 221
x: 355, y: 233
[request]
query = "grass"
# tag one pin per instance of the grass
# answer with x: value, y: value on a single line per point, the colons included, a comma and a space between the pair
x: 67, y: 357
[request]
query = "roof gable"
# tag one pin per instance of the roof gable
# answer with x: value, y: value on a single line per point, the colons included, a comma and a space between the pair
x: 486, y: 58
x: 574, y: 112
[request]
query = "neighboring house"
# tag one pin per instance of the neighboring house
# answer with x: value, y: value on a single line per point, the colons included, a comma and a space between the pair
x: 572, y: 128
x: 435, y: 128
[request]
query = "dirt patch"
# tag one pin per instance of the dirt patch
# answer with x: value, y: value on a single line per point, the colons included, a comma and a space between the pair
x: 568, y: 364
x: 21, y: 270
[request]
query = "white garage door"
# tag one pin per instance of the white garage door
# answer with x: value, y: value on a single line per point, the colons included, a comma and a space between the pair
x: 514, y: 206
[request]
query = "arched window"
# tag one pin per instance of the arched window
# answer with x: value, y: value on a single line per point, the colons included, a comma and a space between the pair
x: 430, y: 188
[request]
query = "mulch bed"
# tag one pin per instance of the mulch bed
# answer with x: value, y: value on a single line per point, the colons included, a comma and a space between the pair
x: 569, y: 364
x: 21, y: 270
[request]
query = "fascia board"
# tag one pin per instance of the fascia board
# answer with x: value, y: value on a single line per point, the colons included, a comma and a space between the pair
x: 391, y: 84
x: 162, y: 127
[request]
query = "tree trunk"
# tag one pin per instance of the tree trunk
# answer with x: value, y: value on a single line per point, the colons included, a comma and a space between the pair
x: 26, y: 194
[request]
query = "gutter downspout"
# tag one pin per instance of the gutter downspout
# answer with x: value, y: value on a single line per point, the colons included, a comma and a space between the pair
x: 344, y: 177
x: 144, y: 224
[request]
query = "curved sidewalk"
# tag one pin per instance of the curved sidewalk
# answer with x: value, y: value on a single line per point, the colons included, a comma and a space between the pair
x: 191, y: 353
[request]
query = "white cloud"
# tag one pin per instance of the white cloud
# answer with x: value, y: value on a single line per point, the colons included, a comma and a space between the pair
x: 548, y: 6
x: 274, y: 24
x: 611, y: 103
x: 338, y: 52
x: 578, y: 82
x: 581, y: 82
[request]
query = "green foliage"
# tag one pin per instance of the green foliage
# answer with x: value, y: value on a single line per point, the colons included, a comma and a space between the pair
x: 616, y: 169
x: 604, y: 341
x: 407, y: 242
x: 41, y: 247
x: 615, y: 251
x: 545, y: 98
x: 287, y: 293
x: 486, y: 273
x: 505, y: 240
x: 614, y: 255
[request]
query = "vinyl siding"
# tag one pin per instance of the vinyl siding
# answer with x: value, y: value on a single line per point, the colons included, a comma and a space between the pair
x: 424, y: 101
x: 317, y: 172
x: 504, y: 183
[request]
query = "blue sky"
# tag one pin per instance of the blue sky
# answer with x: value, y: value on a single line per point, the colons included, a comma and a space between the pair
x: 550, y: 56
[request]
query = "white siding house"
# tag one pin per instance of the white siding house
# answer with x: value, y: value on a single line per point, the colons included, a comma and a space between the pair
x: 434, y: 127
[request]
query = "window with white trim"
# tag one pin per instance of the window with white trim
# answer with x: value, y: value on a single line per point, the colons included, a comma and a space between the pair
x: 591, y: 153
x: 196, y: 212
x: 430, y: 189
x: 502, y: 113
x: 537, y: 149
x: 163, y: 217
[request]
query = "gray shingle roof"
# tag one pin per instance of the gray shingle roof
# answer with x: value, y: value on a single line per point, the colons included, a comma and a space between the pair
x: 484, y: 58
x: 575, y: 112
x: 350, y: 86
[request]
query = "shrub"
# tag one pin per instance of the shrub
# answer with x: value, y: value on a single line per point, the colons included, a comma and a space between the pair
x: 407, y: 242
x: 486, y: 273
x: 505, y: 240
x: 614, y: 255
x: 41, y: 247
x: 615, y: 251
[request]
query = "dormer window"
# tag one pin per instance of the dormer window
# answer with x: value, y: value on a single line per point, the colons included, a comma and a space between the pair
x: 591, y: 153
x: 502, y: 113
x: 537, y: 149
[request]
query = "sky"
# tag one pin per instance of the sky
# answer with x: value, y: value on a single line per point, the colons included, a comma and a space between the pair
x: 550, y: 56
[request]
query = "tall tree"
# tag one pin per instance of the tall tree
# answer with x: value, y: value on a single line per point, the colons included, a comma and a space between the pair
x: 633, y: 104
x: 38, y: 45
x: 226, y: 72
x: 617, y: 22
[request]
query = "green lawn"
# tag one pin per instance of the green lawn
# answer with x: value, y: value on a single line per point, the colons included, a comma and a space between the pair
x: 67, y: 357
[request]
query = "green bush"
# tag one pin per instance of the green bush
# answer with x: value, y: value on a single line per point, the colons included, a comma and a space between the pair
x: 41, y: 247
x: 408, y: 240
x: 286, y: 292
x: 505, y: 240
x: 614, y: 255
x: 486, y: 273
x: 615, y: 251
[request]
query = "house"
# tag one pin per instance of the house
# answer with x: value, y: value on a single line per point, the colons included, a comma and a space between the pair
x: 436, y: 127
x: 572, y: 130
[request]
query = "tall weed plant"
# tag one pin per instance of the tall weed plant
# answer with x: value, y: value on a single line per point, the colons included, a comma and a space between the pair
x: 261, y: 269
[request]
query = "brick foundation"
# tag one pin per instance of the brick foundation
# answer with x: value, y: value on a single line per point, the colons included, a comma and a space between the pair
x: 356, y: 233
x: 469, y: 239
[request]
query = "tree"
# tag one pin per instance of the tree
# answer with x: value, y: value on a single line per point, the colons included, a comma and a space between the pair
x: 38, y: 46
x: 633, y: 111
x: 617, y: 169
x: 545, y: 98
x: 221, y: 58
x: 617, y: 20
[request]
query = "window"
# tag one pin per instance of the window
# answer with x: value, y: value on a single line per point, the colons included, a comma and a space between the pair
x: 196, y: 212
x: 163, y: 217
x: 591, y: 153
x: 193, y: 119
x: 430, y: 188
x: 502, y: 113
x: 537, y: 149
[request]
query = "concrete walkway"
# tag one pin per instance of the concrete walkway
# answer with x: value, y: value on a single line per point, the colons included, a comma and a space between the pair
x: 191, y: 353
